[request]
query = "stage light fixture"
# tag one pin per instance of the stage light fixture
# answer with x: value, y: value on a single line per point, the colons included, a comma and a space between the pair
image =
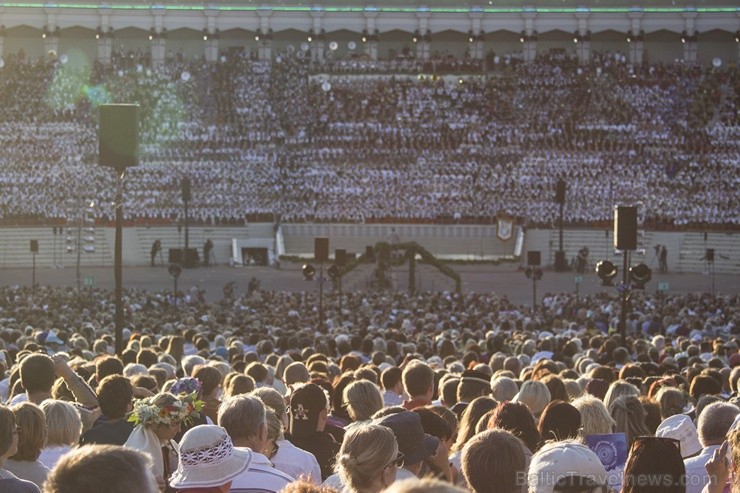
x: 640, y: 275
x: 607, y: 272
x: 309, y: 271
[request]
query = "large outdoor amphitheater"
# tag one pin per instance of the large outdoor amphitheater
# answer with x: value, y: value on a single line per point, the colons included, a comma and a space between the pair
x: 456, y: 222
x: 435, y: 124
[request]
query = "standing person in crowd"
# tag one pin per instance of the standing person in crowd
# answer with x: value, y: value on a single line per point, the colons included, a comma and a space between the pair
x: 309, y: 409
x: 8, y: 447
x: 654, y: 457
x: 494, y: 462
x: 115, y: 395
x: 288, y: 458
x: 368, y: 459
x: 209, y: 462
x: 416, y: 446
x: 63, y: 428
x: 157, y: 421
x: 392, y: 386
x: 714, y: 424
x: 38, y: 373
x: 418, y: 382
x: 566, y: 466
x: 244, y: 419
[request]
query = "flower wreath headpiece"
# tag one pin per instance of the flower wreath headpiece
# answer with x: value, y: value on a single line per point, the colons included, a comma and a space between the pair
x: 184, y: 409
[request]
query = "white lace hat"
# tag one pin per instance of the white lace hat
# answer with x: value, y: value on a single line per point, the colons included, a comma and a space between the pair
x: 208, y: 458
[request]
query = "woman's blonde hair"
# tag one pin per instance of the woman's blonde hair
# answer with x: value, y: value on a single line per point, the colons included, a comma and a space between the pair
x: 363, y: 399
x: 595, y: 418
x: 535, y: 395
x: 366, y: 450
x: 63, y: 423
x: 32, y: 435
x: 617, y: 389
x: 629, y: 415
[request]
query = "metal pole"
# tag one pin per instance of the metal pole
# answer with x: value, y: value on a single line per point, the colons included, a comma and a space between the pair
x: 118, y: 263
x: 33, y: 276
x: 534, y: 292
x: 560, y: 246
x: 321, y: 297
x: 79, y: 248
x: 625, y: 298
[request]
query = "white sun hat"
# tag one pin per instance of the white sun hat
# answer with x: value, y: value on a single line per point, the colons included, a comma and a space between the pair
x: 208, y: 459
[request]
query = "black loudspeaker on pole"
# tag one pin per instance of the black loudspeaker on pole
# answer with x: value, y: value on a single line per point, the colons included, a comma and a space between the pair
x: 321, y: 249
x: 625, y: 228
x: 118, y: 145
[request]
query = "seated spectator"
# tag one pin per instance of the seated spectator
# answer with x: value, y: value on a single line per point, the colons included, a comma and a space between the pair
x: 244, y: 419
x: 31, y: 438
x: 63, y: 428
x: 9, y: 447
x: 114, y: 468
x: 494, y: 462
x: 208, y: 461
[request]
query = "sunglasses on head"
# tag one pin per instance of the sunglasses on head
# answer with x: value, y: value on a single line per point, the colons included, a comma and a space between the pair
x: 646, y: 440
x: 398, y: 461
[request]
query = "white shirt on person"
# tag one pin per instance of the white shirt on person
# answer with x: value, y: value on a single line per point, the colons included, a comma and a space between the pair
x: 296, y: 462
x: 260, y: 477
x: 696, y: 472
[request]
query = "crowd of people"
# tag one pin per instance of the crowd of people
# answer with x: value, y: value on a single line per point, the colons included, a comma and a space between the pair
x: 277, y: 141
x: 390, y: 392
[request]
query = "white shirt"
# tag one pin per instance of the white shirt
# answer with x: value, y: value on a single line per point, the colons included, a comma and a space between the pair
x: 696, y: 473
x: 51, y: 455
x: 334, y: 481
x: 261, y: 476
x: 391, y: 399
x: 296, y: 462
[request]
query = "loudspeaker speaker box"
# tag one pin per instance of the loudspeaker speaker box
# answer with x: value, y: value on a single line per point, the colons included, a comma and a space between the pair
x: 34, y: 246
x: 533, y: 257
x: 625, y: 228
x: 118, y: 137
x: 340, y: 256
x: 321, y: 249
